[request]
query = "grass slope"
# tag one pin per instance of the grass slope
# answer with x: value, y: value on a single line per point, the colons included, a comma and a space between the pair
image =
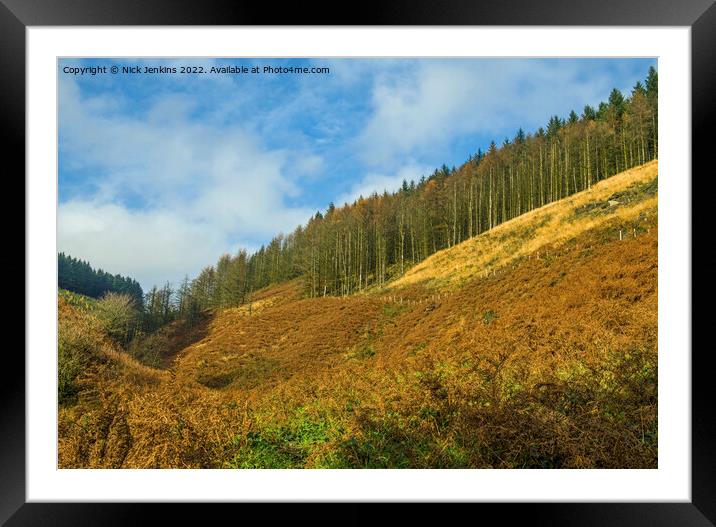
x: 533, y: 345
x: 623, y: 197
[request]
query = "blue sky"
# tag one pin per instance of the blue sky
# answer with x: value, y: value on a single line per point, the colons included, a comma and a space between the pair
x: 160, y: 174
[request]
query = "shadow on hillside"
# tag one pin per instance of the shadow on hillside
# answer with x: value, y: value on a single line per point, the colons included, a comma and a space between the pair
x: 160, y: 348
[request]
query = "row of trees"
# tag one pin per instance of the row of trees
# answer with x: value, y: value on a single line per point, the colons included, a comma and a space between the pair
x: 351, y: 248
x: 366, y: 243
x: 78, y: 276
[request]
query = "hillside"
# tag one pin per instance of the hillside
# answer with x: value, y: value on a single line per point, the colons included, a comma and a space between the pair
x: 355, y: 247
x: 533, y: 345
x: 624, y: 197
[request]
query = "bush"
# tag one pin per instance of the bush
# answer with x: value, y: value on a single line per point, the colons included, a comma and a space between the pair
x: 69, y: 366
x: 77, y: 340
x: 118, y: 315
x: 148, y: 349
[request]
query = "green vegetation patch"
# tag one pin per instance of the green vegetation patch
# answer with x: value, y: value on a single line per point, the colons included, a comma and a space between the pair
x: 77, y: 300
x: 77, y: 343
x: 71, y: 361
x: 363, y: 351
x: 393, y: 309
x: 634, y: 193
x: 637, y: 192
x: 489, y: 316
x: 298, y: 443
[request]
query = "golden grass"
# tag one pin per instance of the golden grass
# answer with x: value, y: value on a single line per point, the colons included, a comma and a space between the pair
x: 549, y: 363
x: 552, y: 224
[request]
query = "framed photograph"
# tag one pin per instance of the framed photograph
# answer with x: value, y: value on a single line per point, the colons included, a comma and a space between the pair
x: 420, y: 257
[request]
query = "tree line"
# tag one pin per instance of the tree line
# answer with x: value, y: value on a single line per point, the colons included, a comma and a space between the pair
x: 78, y: 276
x: 351, y: 248
x: 348, y: 249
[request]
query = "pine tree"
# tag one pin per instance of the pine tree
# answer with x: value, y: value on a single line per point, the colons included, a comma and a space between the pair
x: 370, y: 241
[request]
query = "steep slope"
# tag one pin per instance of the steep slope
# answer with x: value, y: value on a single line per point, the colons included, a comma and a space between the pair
x: 624, y: 197
x: 96, y: 380
x: 534, y: 345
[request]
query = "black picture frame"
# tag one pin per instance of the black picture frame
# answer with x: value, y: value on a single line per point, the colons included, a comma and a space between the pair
x: 699, y: 15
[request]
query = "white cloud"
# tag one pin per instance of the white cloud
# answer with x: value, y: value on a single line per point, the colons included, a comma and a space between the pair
x: 163, y: 192
x: 439, y: 101
x: 151, y: 246
x: 167, y: 195
x: 414, y: 111
x: 306, y: 164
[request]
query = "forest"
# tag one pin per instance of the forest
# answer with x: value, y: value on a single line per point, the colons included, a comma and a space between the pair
x: 78, y: 276
x: 351, y: 248
x: 354, y: 247
x: 457, y: 322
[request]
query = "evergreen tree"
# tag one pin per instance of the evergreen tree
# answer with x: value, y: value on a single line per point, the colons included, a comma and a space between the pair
x: 374, y: 239
x: 78, y: 276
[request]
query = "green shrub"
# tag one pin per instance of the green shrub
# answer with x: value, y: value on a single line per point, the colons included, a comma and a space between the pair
x: 119, y: 316
x: 76, y: 343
